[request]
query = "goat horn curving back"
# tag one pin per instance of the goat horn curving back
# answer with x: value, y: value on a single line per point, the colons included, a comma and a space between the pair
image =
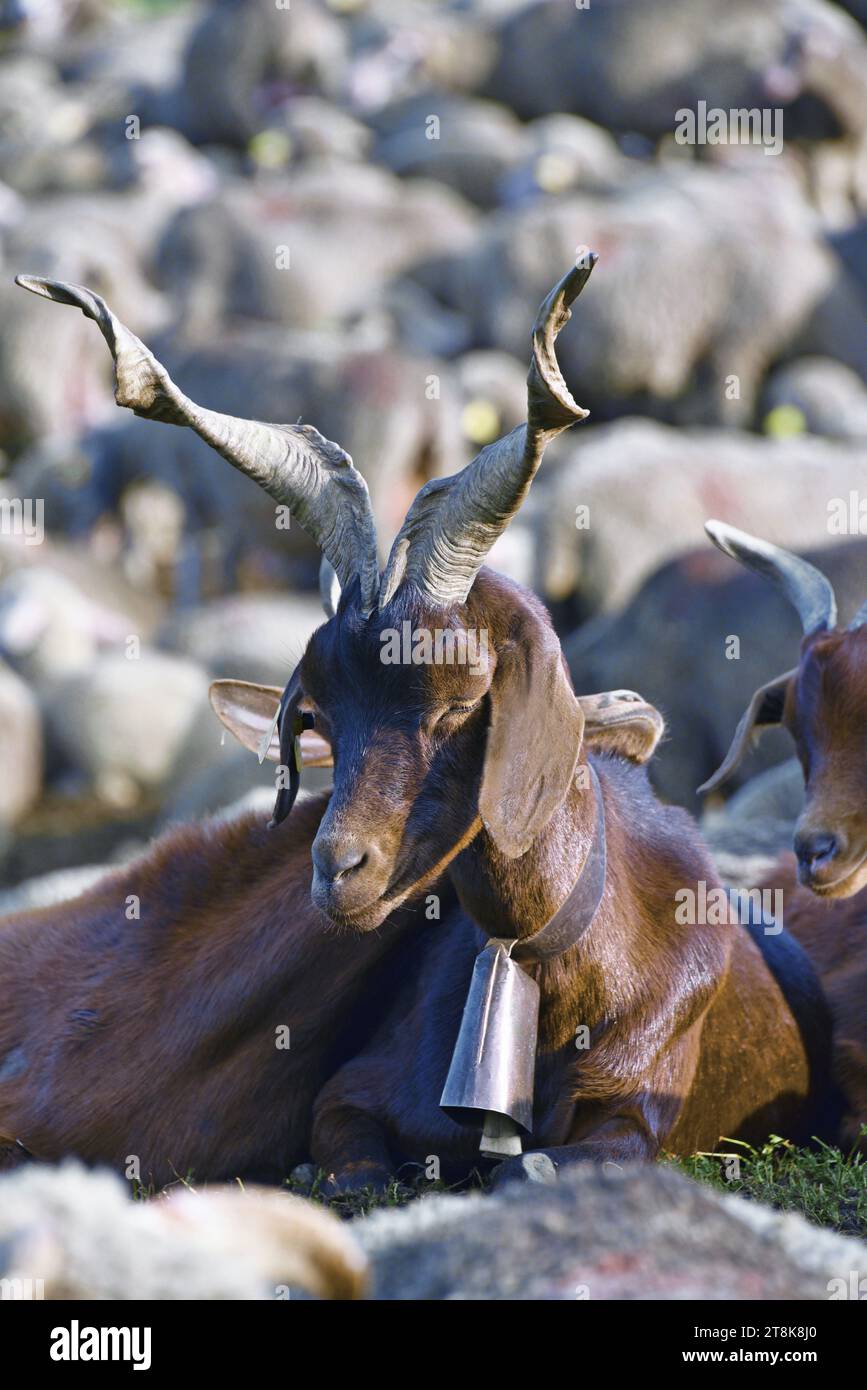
x: 302, y: 470
x: 329, y: 587
x: 860, y: 618
x: 453, y: 522
x: 804, y: 586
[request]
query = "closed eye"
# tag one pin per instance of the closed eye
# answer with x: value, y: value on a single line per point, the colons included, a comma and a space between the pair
x: 455, y: 710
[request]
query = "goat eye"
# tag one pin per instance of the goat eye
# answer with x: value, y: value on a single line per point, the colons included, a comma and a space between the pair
x: 455, y: 710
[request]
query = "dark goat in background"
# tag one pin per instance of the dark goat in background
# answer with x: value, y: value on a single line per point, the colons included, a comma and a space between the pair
x: 690, y: 605
x: 822, y: 703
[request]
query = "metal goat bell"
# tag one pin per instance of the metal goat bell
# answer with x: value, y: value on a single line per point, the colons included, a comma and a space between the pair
x: 490, y: 1080
x: 492, y: 1071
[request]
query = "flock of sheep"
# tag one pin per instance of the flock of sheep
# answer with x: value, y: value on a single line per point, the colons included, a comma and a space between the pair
x: 346, y: 214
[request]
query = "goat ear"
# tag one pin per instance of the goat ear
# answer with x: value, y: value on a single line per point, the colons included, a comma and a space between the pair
x: 534, y: 741
x: 249, y: 712
x: 765, y: 711
x: 623, y: 723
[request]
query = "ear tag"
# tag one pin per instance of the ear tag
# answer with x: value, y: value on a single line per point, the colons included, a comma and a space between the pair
x: 265, y: 745
x: 303, y: 721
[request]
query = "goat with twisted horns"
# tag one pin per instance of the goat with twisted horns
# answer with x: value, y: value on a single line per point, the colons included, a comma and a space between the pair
x: 488, y: 783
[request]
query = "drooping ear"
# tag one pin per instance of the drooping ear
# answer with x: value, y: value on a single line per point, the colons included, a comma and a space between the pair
x: 765, y: 711
x: 621, y: 722
x: 249, y: 712
x: 534, y: 739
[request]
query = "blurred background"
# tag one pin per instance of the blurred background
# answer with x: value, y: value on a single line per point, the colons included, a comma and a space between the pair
x: 348, y: 212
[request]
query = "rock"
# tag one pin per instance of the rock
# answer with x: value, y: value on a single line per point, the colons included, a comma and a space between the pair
x: 640, y: 1232
x: 304, y: 1175
x: 529, y: 1167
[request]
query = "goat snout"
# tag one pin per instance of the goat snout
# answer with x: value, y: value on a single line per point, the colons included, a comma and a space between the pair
x: 816, y: 851
x: 336, y: 862
x: 346, y: 873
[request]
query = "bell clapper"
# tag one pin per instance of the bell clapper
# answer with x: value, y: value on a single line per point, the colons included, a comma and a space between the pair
x: 501, y: 1137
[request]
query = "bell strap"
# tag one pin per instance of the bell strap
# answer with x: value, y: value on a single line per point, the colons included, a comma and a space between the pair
x: 575, y: 914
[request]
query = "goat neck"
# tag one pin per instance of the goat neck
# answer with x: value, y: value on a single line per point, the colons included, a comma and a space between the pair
x: 517, y: 897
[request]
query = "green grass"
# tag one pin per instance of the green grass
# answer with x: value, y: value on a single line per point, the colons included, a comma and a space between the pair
x: 399, y: 1192
x: 827, y: 1187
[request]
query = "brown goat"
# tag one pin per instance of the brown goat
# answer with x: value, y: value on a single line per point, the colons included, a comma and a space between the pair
x: 194, y: 1036
x: 821, y: 702
x: 142, y: 1024
x: 696, y: 1030
x: 469, y: 777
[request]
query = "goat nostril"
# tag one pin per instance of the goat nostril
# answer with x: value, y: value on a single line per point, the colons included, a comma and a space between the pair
x: 349, y: 864
x: 816, y: 850
x: 334, y: 863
